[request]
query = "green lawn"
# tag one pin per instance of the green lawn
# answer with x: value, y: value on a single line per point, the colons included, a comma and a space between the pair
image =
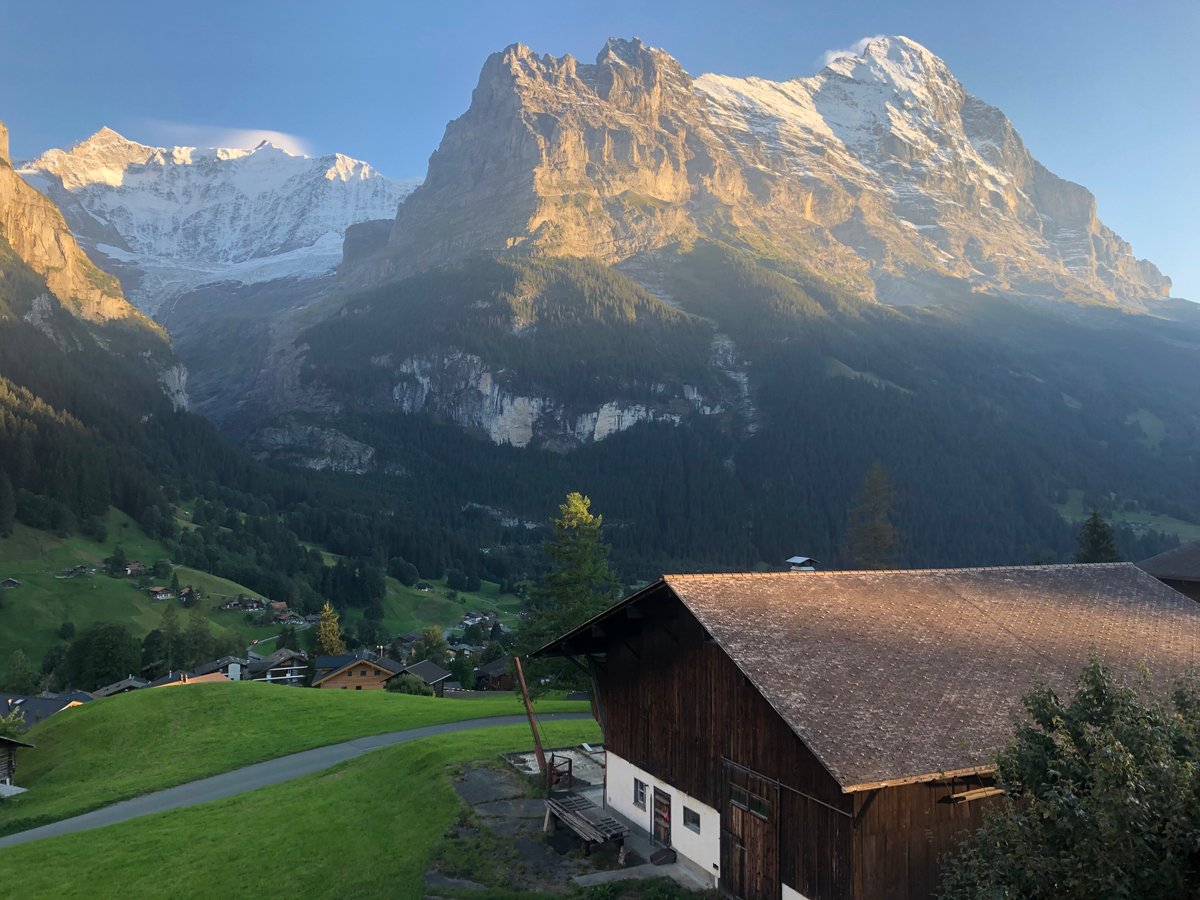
x: 1073, y: 511
x: 368, y: 826
x: 31, y: 615
x: 132, y: 744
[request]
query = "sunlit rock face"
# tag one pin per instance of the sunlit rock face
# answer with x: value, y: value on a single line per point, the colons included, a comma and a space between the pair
x: 168, y: 220
x: 461, y: 388
x: 881, y: 171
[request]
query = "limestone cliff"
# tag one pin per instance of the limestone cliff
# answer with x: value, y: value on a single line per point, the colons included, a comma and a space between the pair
x: 881, y: 171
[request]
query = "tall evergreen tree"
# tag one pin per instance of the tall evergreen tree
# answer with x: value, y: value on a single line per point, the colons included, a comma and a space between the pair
x: 580, y: 584
x: 172, y: 638
x: 329, y: 635
x: 871, y: 539
x: 198, y: 639
x: 1097, y: 541
x: 8, y: 505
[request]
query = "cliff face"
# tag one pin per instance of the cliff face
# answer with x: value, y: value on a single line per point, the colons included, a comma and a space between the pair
x: 880, y: 171
x: 38, y: 234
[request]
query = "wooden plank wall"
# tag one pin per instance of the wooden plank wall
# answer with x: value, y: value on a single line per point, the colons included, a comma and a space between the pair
x: 676, y: 706
x: 904, y: 834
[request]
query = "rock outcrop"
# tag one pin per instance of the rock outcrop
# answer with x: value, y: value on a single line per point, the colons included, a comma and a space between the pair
x: 881, y: 171
x: 35, y: 229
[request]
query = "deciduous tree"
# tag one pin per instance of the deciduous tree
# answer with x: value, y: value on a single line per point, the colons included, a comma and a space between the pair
x: 431, y: 645
x: 1100, y: 799
x: 329, y: 635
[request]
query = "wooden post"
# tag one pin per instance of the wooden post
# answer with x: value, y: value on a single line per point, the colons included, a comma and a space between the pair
x: 537, y: 740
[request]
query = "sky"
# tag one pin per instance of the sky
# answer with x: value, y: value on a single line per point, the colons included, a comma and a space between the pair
x: 1104, y: 93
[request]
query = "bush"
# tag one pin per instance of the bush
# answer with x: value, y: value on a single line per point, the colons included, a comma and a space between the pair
x: 409, y: 684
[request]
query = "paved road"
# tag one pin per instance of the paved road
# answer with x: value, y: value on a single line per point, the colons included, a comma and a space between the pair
x: 262, y: 774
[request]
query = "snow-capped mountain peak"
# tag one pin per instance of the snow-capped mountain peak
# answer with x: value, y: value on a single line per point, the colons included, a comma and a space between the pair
x: 169, y: 219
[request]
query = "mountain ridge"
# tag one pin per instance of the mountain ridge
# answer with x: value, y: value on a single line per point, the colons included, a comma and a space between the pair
x: 169, y: 220
x: 881, y: 170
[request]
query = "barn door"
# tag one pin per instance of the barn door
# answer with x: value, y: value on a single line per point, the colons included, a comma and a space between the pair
x: 750, y: 835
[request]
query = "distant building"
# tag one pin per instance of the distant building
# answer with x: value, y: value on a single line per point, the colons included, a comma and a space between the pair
x: 9, y: 584
x: 160, y: 593
x: 1178, y: 568
x: 354, y: 673
x: 8, y: 765
x: 232, y: 667
x: 38, y: 709
x: 430, y: 673
x: 120, y: 687
x: 281, y: 667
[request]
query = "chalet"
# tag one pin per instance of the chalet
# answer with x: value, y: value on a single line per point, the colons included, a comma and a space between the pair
x: 9, y: 584
x: 830, y: 734
x: 495, y: 676
x: 136, y: 568
x: 232, y: 667
x: 355, y: 673
x: 120, y: 687
x: 430, y: 673
x: 160, y: 593
x: 277, y: 606
x: 8, y: 765
x: 1178, y: 568
x: 281, y: 667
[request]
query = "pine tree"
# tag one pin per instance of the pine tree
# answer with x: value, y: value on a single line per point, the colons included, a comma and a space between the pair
x: 175, y: 583
x: 581, y: 583
x: 172, y: 639
x: 8, y: 505
x: 198, y: 640
x: 871, y: 539
x: 329, y: 635
x: 1097, y: 541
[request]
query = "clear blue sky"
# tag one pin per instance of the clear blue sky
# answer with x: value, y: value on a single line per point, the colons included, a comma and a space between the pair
x: 1105, y: 93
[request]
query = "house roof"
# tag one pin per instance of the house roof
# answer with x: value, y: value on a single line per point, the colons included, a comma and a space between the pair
x: 34, y: 709
x: 221, y: 663
x: 13, y: 742
x: 125, y: 684
x: 427, y: 670
x: 388, y: 665
x: 1180, y: 564
x: 892, y: 677
x: 278, y: 658
x: 495, y: 668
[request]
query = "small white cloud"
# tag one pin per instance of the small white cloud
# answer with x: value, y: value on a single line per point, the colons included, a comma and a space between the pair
x: 855, y: 49
x: 159, y: 131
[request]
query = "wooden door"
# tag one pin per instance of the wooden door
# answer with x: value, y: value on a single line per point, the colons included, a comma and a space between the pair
x: 662, y: 818
x: 750, y: 836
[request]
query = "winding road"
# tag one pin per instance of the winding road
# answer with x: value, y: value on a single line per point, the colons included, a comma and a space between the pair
x: 263, y: 774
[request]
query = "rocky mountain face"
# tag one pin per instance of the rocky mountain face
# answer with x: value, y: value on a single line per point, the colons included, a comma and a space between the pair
x: 168, y: 220
x: 881, y: 172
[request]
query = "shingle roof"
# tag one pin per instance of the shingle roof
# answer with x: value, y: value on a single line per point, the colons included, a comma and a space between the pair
x: 1180, y: 564
x: 888, y: 676
x: 427, y: 670
x: 496, y: 667
x: 382, y: 662
x: 34, y: 709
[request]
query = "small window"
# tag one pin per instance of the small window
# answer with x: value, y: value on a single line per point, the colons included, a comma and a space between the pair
x: 639, y: 793
x: 760, y: 807
x: 739, y: 796
x: 362, y: 673
x: 358, y: 687
x: 691, y: 820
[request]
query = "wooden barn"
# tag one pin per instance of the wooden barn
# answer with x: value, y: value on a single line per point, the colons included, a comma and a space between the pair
x: 828, y: 735
x: 8, y: 765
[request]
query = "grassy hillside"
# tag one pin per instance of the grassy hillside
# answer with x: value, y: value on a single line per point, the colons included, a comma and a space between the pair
x: 31, y: 615
x: 1075, y: 510
x: 369, y: 826
x: 132, y: 744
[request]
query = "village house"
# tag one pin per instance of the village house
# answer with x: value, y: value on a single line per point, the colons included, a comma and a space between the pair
x: 160, y: 593
x: 173, y: 679
x: 123, y: 686
x: 829, y: 735
x: 281, y: 667
x: 232, y: 667
x: 37, y: 709
x: 136, y: 568
x: 495, y: 676
x: 358, y: 673
x: 1178, y: 568
x: 9, y: 584
x: 429, y: 672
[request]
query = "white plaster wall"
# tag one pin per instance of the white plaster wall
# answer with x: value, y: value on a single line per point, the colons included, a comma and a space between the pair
x: 703, y: 849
